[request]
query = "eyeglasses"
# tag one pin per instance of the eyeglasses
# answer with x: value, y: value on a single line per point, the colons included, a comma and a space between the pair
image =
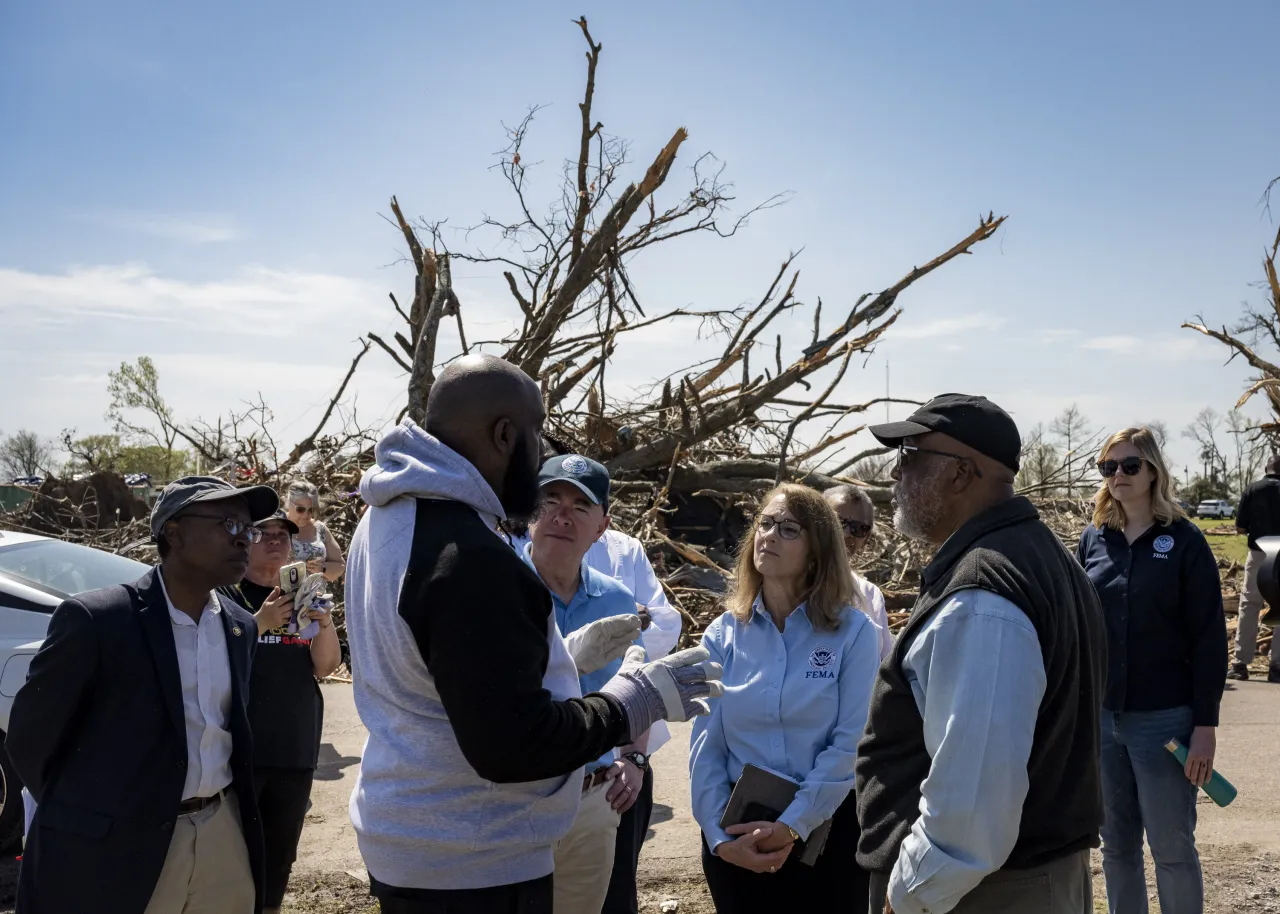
x: 787, y: 529
x: 231, y: 525
x: 855, y: 529
x: 907, y: 451
x: 303, y: 509
x: 1129, y: 466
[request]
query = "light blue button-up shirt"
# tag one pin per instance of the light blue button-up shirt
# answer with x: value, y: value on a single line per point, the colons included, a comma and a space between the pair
x: 977, y: 675
x: 599, y: 597
x: 795, y: 702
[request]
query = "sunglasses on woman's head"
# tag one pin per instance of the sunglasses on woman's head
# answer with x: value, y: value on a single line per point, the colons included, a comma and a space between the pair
x: 855, y: 528
x: 787, y: 529
x: 1129, y: 466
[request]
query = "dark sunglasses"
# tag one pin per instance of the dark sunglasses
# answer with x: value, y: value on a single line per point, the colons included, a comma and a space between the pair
x: 855, y: 529
x: 1129, y: 466
x: 301, y: 509
x: 787, y: 529
x: 907, y: 451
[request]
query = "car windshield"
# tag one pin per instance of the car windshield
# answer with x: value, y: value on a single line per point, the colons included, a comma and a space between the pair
x: 66, y: 568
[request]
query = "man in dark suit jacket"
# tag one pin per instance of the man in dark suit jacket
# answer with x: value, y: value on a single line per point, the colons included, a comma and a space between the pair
x: 132, y: 734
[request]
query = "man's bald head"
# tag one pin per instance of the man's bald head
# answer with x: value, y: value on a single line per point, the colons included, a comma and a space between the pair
x: 491, y: 412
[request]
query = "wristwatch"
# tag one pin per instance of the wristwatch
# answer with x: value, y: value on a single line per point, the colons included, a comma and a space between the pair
x: 795, y: 835
x: 639, y: 759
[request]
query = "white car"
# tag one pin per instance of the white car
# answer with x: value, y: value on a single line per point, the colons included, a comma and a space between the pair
x: 36, y: 574
x: 1215, y: 508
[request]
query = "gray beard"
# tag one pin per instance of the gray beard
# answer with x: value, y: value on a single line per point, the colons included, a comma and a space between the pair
x: 918, y: 509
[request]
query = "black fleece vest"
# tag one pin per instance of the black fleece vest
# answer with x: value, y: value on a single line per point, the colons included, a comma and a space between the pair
x: 1008, y: 551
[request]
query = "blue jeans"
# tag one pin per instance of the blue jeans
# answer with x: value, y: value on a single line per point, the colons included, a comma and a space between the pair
x: 1144, y: 789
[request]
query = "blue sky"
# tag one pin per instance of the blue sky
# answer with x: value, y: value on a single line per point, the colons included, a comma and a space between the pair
x: 204, y: 184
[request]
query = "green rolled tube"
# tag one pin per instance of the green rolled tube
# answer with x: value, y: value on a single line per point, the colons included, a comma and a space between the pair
x: 1219, y: 789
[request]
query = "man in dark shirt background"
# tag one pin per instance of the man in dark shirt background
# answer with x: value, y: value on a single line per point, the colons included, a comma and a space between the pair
x: 1258, y: 516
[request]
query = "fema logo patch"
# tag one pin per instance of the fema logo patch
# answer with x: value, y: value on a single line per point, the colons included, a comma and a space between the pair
x: 1163, y: 543
x: 575, y: 465
x: 821, y: 658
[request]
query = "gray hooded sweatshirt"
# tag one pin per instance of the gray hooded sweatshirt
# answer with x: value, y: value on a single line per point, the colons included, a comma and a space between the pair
x: 423, y: 816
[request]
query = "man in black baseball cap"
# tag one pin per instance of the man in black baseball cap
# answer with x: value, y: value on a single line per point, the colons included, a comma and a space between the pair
x: 992, y: 691
x: 145, y: 686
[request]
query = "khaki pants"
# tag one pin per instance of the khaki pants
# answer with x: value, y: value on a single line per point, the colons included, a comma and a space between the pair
x: 584, y: 857
x: 207, y: 868
x: 1251, y: 605
x: 1061, y: 887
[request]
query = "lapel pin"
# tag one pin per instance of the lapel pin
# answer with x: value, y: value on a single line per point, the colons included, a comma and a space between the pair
x: 235, y: 629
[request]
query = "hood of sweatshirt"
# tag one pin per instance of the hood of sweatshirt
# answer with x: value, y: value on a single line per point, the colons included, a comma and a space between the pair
x: 410, y: 462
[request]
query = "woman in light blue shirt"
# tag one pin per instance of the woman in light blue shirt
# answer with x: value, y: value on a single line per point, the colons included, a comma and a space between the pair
x: 799, y: 664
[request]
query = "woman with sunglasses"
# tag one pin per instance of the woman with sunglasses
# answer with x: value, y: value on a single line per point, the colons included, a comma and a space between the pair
x: 857, y: 517
x: 1167, y: 659
x: 799, y: 663
x: 313, y: 543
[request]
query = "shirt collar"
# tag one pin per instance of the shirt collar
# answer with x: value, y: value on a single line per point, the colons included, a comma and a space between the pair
x: 177, y: 615
x: 757, y: 608
x: 590, y: 581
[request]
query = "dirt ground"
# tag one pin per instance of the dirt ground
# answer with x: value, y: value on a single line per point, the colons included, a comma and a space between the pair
x: 1240, y: 845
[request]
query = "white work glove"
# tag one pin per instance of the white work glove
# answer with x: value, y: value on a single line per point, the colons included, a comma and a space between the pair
x: 598, y: 644
x: 675, y: 688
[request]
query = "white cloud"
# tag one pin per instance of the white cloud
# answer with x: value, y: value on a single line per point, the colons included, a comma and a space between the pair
x: 258, y: 301
x: 197, y: 228
x: 1159, y: 348
x: 949, y: 326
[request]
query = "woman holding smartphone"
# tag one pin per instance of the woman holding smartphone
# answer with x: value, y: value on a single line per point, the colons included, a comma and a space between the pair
x: 799, y: 663
x: 286, y: 710
x: 1167, y: 661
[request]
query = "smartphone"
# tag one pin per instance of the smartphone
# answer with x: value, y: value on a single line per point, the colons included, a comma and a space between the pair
x: 292, y: 575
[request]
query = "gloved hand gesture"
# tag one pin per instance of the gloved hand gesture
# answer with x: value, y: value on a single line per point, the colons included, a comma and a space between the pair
x: 676, y: 687
x: 599, y: 643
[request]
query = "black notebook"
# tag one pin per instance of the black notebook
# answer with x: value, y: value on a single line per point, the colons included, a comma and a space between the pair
x: 761, y: 795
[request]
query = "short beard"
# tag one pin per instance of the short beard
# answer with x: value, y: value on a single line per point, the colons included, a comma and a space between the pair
x: 520, y: 484
x: 918, y: 507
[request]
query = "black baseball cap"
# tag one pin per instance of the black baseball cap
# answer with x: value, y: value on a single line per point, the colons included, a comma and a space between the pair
x: 182, y: 493
x: 282, y: 518
x: 971, y: 420
x: 586, y: 474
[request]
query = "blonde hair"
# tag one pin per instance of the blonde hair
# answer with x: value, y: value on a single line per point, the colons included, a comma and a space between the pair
x: 829, y: 584
x: 1108, y: 512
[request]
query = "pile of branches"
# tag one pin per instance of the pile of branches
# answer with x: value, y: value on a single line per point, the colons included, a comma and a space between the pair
x: 692, y: 453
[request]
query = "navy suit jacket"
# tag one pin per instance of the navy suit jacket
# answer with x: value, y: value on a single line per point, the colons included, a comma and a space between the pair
x: 98, y: 735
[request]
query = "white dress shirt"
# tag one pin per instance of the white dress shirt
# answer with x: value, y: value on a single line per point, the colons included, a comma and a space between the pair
x: 870, y: 600
x: 205, y: 671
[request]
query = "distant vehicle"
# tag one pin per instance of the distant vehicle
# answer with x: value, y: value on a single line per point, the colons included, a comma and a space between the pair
x: 1186, y: 507
x: 36, y: 574
x: 1215, y: 508
x: 28, y: 480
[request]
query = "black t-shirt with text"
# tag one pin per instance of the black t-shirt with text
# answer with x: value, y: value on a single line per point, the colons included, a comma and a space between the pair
x: 286, y: 710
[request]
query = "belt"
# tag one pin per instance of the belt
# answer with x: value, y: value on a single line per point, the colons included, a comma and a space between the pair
x: 593, y: 779
x: 195, y: 804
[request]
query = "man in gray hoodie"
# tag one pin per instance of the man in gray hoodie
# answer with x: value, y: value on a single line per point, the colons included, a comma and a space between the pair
x: 478, y: 732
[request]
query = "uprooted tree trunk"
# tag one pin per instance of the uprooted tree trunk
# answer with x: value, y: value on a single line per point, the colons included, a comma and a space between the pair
x: 691, y: 456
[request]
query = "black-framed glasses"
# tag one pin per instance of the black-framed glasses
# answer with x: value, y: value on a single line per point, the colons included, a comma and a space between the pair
x: 907, y: 451
x: 856, y: 529
x: 231, y: 525
x: 1130, y: 466
x: 787, y: 529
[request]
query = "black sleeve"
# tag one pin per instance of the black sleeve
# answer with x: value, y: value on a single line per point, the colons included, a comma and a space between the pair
x: 1207, y: 630
x: 1242, y: 512
x: 1081, y: 549
x: 46, y: 707
x: 487, y: 652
